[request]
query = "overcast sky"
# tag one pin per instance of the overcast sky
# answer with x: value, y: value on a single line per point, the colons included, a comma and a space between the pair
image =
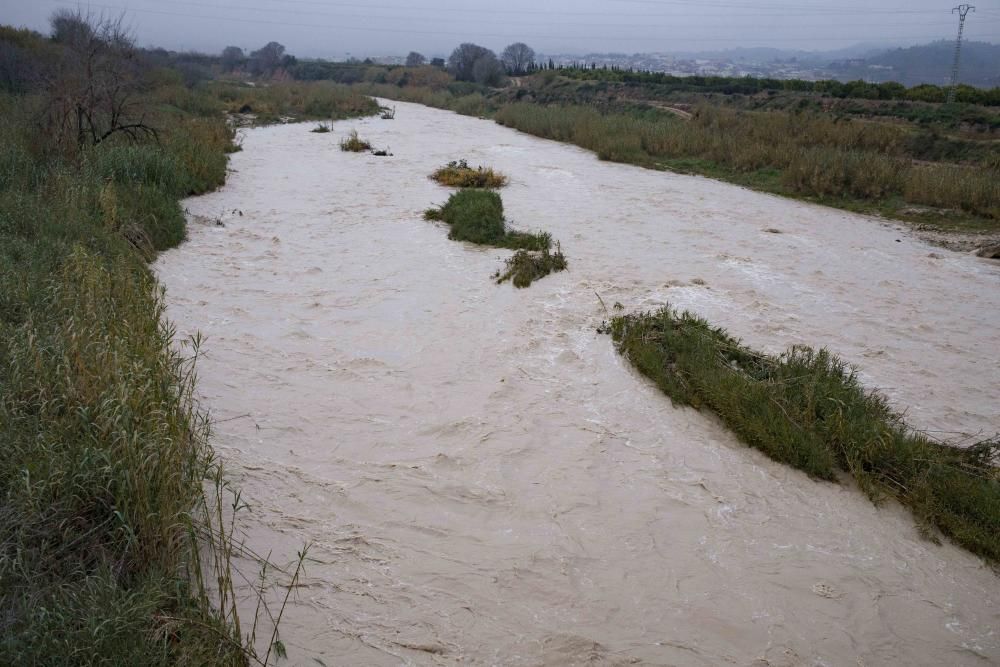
x: 334, y: 28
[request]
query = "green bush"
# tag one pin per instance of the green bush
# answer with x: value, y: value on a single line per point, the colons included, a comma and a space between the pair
x: 475, y: 216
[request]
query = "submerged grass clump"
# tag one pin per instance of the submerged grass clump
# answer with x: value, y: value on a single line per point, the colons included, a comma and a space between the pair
x: 322, y: 128
x: 458, y: 174
x: 525, y: 267
x: 806, y: 408
x: 477, y: 216
x: 352, y: 143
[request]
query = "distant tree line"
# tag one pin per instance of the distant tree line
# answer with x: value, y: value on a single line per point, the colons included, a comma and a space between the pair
x: 468, y: 64
x: 748, y: 85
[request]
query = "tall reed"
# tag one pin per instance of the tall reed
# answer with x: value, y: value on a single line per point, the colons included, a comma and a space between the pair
x: 814, y: 154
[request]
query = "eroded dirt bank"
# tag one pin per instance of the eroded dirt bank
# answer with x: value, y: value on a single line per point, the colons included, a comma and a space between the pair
x: 486, y: 482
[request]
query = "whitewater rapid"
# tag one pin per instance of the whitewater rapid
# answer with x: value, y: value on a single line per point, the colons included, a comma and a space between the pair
x: 485, y: 481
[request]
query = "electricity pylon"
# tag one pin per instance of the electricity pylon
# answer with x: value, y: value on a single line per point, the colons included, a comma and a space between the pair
x: 962, y: 10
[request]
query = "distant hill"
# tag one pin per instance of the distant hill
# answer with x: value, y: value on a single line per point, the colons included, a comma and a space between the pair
x: 767, y: 54
x: 929, y: 63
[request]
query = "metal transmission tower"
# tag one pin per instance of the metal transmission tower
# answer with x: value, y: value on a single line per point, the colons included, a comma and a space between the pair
x: 962, y: 10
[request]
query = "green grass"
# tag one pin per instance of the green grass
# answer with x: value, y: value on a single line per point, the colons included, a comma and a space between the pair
x: 476, y: 216
x: 807, y: 409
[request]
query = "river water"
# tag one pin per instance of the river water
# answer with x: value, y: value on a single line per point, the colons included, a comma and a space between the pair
x: 485, y: 481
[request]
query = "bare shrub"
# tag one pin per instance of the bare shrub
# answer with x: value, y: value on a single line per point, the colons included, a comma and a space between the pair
x: 93, y: 92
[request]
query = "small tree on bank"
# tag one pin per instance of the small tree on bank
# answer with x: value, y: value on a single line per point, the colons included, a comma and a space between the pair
x: 91, y: 95
x: 463, y: 59
x: 415, y: 59
x: 232, y: 58
x: 488, y: 71
x: 267, y: 59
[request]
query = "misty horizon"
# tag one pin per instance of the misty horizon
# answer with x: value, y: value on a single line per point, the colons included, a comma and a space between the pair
x: 336, y: 30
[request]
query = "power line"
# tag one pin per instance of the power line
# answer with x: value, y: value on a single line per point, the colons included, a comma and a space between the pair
x: 962, y: 10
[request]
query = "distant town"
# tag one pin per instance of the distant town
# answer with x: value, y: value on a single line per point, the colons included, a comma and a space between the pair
x: 929, y: 63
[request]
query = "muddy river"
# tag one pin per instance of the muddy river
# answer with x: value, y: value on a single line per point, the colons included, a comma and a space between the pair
x: 485, y: 481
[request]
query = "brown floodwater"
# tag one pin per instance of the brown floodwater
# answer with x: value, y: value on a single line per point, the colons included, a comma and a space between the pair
x: 485, y: 481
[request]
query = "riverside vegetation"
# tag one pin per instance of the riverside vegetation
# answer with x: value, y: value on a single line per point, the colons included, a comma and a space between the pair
x: 806, y: 408
x: 877, y: 148
x: 476, y: 216
x: 114, y: 547
x: 928, y: 163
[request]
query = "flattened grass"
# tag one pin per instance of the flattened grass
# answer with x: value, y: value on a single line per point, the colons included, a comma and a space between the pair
x: 458, y: 174
x: 524, y: 267
x: 807, y: 408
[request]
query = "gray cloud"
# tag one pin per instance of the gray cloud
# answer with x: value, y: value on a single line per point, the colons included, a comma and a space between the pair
x: 334, y: 28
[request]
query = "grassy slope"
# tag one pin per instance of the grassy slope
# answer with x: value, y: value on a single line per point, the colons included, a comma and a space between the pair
x: 104, y: 455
